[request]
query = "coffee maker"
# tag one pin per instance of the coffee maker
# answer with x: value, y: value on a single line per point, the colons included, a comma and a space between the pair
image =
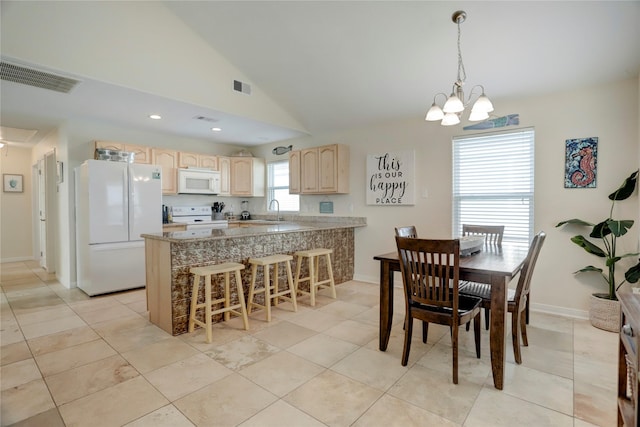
x: 244, y: 215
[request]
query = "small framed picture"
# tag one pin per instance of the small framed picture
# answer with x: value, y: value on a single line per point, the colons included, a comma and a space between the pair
x: 12, y: 183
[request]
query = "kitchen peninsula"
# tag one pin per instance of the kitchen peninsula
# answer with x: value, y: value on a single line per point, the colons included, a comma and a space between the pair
x: 170, y: 255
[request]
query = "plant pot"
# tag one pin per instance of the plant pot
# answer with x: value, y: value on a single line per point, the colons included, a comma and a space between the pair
x: 605, y: 313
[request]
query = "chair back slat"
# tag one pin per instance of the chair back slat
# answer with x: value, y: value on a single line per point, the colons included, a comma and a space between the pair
x: 524, y: 282
x: 430, y: 270
x: 492, y: 233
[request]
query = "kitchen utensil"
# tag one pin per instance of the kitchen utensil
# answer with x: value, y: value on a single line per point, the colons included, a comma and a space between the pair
x: 245, y: 214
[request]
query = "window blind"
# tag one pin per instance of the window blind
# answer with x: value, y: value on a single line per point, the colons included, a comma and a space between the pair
x: 278, y: 187
x: 493, y: 179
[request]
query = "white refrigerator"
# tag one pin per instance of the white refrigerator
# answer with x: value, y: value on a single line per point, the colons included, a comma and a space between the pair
x: 116, y: 202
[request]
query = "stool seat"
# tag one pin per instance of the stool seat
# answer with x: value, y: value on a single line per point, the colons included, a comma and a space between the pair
x: 216, y: 268
x: 313, y: 260
x: 227, y: 308
x: 271, y: 259
x: 270, y: 288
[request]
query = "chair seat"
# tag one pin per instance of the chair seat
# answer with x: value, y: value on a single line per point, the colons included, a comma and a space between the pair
x: 482, y: 290
x: 465, y: 305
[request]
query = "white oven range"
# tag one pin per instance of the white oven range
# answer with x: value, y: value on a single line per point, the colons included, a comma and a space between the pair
x: 197, y: 217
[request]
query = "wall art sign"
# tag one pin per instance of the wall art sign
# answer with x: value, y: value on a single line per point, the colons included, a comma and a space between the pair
x: 12, y: 183
x: 580, y: 163
x: 390, y: 178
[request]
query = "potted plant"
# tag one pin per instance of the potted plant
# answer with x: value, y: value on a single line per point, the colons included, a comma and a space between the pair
x: 605, y: 309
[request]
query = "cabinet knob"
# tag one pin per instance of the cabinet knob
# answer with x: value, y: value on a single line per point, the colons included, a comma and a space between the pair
x: 627, y: 330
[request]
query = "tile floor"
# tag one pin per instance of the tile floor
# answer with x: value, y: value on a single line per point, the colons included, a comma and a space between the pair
x: 72, y: 360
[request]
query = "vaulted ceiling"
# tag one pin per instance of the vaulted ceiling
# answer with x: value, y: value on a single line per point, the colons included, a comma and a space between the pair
x: 338, y: 64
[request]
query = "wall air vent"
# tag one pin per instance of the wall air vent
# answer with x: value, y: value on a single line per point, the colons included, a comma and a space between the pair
x: 32, y: 77
x: 206, y: 119
x: 239, y: 86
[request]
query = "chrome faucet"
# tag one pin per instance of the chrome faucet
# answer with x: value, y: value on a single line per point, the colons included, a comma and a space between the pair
x: 278, y: 205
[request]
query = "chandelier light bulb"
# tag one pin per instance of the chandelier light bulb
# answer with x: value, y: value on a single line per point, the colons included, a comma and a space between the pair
x: 478, y: 115
x: 435, y: 113
x: 450, y: 119
x: 483, y: 104
x: 453, y: 104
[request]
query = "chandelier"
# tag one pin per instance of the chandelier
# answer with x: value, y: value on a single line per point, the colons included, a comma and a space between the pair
x: 455, y: 104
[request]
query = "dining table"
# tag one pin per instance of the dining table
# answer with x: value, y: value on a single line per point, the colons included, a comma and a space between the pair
x: 493, y: 265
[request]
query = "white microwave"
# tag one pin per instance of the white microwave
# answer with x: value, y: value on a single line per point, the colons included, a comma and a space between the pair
x: 198, y: 181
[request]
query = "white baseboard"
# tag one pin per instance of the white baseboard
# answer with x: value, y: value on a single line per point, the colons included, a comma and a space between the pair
x: 541, y: 308
x: 376, y: 279
x: 16, y: 259
x: 560, y: 311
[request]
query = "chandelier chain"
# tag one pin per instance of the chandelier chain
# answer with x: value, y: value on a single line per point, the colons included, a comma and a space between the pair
x: 462, y: 74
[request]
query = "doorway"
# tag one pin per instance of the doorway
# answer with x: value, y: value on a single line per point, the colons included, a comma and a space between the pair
x: 47, y: 208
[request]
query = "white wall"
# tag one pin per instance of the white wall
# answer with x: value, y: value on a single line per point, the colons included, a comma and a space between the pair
x: 15, y: 208
x: 609, y: 112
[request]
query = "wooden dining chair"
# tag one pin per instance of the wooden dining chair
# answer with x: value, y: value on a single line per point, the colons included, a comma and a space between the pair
x: 407, y: 231
x: 492, y: 236
x: 410, y: 231
x: 430, y: 273
x: 492, y: 233
x: 517, y: 298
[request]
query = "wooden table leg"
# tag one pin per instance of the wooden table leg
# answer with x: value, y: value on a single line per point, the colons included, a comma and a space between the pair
x: 497, y: 329
x: 386, y: 304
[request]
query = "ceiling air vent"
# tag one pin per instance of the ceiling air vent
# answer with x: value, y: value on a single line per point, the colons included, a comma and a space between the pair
x: 239, y: 86
x: 29, y: 76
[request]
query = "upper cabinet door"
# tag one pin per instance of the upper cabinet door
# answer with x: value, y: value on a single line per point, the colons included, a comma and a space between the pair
x: 309, y: 170
x: 208, y: 161
x: 327, y: 169
x: 247, y: 176
x: 142, y: 154
x: 187, y: 160
x: 224, y: 165
x: 168, y: 159
x: 294, y: 172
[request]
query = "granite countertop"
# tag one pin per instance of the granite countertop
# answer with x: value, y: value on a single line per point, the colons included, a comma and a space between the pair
x: 260, y: 227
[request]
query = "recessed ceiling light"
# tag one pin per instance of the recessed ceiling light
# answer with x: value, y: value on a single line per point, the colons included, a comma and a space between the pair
x: 155, y: 116
x: 216, y: 129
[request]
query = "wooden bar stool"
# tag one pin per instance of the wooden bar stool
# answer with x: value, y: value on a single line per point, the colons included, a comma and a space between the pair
x: 270, y: 288
x: 313, y: 261
x: 206, y: 272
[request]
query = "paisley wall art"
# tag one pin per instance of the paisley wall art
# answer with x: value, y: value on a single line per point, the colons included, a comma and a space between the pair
x: 581, y: 163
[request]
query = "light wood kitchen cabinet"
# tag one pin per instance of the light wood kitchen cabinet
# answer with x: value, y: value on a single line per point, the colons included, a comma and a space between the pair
x: 209, y: 161
x: 195, y: 160
x: 224, y: 165
x: 247, y: 176
x: 294, y: 172
x: 324, y: 170
x: 142, y: 154
x: 168, y: 160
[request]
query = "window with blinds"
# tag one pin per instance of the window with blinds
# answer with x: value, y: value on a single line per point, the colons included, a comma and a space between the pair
x: 493, y: 183
x: 278, y: 187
